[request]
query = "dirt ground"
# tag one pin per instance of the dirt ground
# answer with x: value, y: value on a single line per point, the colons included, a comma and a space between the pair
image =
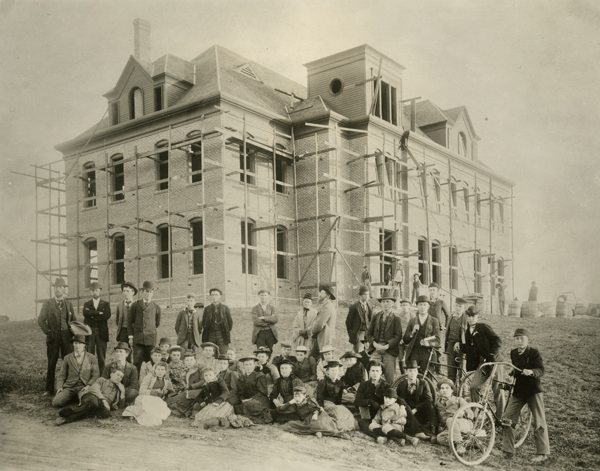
x: 30, y: 440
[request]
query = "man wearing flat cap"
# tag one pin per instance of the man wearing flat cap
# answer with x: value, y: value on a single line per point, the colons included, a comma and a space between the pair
x: 455, y: 335
x: 303, y: 322
x: 122, y: 315
x: 358, y: 320
x: 144, y: 320
x: 264, y: 318
x: 384, y: 336
x: 54, y: 319
x: 323, y: 330
x: 187, y: 325
x: 96, y: 313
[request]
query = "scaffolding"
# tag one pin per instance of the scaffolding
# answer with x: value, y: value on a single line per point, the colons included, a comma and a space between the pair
x: 391, y: 151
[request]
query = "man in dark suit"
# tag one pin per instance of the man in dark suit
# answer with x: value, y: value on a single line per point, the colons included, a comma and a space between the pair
x: 482, y: 345
x: 79, y: 370
x: 384, y: 336
x: 217, y: 322
x: 96, y: 313
x: 422, y: 332
x: 455, y: 335
x: 130, y: 374
x: 439, y: 310
x: 417, y: 394
x: 358, y: 320
x: 122, y: 315
x: 144, y: 319
x: 54, y: 319
x: 187, y: 325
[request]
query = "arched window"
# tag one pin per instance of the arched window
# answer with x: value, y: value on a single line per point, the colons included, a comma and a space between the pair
x: 248, y: 241
x: 423, y: 248
x: 91, y: 261
x: 162, y: 165
x: 164, y: 253
x: 118, y: 178
x: 197, y: 235
x: 282, y: 271
x: 118, y: 245
x: 453, y: 268
x: 195, y: 158
x: 462, y: 144
x: 89, y: 185
x: 136, y: 103
x: 280, y: 175
x: 477, y: 271
x: 436, y: 262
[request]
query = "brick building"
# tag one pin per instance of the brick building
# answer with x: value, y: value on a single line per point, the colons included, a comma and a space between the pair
x: 218, y: 172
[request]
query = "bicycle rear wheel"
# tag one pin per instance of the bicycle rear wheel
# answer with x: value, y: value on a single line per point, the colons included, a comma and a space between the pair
x: 423, y: 378
x: 523, y: 426
x: 474, y: 446
x: 463, y: 389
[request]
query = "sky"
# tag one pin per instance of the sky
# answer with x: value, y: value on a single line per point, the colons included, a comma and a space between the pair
x: 528, y: 72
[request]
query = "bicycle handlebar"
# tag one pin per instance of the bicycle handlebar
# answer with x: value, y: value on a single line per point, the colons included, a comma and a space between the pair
x: 493, y: 363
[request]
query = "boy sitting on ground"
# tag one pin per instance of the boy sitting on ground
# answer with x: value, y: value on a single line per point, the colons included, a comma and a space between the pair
x: 213, y: 392
x: 446, y: 406
x: 354, y: 375
x: 390, y: 420
x: 99, y: 399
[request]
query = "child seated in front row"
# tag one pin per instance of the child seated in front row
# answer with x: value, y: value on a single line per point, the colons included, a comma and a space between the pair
x: 157, y: 384
x: 446, y: 405
x: 148, y: 366
x: 313, y: 419
x: 177, y: 369
x: 390, y: 420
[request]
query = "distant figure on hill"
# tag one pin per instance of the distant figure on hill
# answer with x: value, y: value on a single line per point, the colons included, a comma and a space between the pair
x: 501, y: 298
x: 533, y: 292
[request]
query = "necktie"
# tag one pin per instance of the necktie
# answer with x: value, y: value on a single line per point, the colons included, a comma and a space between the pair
x: 412, y: 387
x: 127, y: 305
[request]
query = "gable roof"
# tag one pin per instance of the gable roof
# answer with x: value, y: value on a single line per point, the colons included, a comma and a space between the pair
x: 173, y: 66
x: 428, y: 113
x: 456, y: 113
x: 132, y: 63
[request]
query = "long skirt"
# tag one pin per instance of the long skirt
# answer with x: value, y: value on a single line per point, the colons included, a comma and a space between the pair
x: 343, y: 418
x: 181, y: 405
x: 257, y: 409
x: 214, y: 411
x: 323, y: 424
x: 148, y: 410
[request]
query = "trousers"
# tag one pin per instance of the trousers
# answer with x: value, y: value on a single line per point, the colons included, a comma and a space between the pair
x: 265, y: 338
x: 478, y: 383
x: 141, y: 354
x: 215, y: 335
x: 55, y: 349
x: 97, y: 346
x: 462, y: 425
x: 359, y: 345
x: 90, y: 405
x: 67, y: 395
x: 389, y: 364
x: 540, y: 428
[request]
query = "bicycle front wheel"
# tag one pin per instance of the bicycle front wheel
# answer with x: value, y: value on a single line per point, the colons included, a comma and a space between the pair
x: 472, y: 444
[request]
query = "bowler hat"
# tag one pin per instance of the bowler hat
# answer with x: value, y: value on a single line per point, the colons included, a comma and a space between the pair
x: 156, y: 350
x: 79, y: 328
x: 350, y: 355
x: 391, y: 392
x: 175, y: 348
x: 521, y: 331
x: 328, y: 291
x: 472, y: 311
x: 405, y: 300
x: 95, y: 285
x: 332, y: 364
x: 286, y: 344
x: 223, y: 357
x: 127, y: 283
x: 60, y: 282
x: 460, y: 301
x: 434, y: 285
x: 301, y: 348
x: 362, y: 290
x: 412, y: 364
x: 148, y: 285
x: 327, y: 348
x: 123, y: 346
x: 387, y: 294
x: 247, y: 358
x: 423, y: 299
x: 165, y: 341
x: 307, y: 296
x: 80, y: 339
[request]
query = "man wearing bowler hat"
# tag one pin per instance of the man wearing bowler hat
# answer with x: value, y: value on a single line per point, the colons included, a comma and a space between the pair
x: 54, y: 319
x: 130, y: 374
x: 358, y: 320
x: 323, y: 330
x: 96, y: 313
x: 144, y: 319
x: 384, y: 336
x: 422, y: 332
x: 122, y: 314
x: 79, y: 370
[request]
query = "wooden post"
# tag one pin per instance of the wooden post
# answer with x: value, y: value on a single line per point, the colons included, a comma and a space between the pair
x: 273, y: 189
x: 37, y: 270
x: 108, y: 245
x: 169, y: 231
x: 450, y: 214
x: 204, y: 225
x: 475, y: 198
x: 425, y: 194
x: 50, y: 226
x: 77, y: 237
x: 296, y: 216
x: 317, y: 209
x: 512, y: 239
x: 246, y: 232
x: 490, y: 256
x: 137, y: 213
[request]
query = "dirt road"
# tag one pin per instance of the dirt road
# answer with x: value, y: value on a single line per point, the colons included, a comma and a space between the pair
x: 29, y: 443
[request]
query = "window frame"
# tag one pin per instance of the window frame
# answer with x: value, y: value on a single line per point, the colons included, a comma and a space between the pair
x: 89, y: 260
x: 89, y: 185
x: 117, y: 175
x: 197, y: 250
x: 118, y: 263
x: 132, y: 103
x: 436, y: 262
x: 164, y: 245
x: 248, y: 229
x: 162, y: 165
x: 281, y: 243
x: 423, y: 259
x: 250, y: 167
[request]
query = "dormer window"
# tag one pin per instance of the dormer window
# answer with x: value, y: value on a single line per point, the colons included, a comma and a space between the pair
x: 136, y: 103
x: 386, y: 106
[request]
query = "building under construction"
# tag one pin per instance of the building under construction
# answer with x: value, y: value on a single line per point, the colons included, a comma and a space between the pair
x: 218, y: 172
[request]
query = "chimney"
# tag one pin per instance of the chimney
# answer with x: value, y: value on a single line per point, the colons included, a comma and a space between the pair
x: 141, y: 40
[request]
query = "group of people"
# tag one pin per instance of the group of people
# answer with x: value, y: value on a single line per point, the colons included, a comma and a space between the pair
x: 305, y: 388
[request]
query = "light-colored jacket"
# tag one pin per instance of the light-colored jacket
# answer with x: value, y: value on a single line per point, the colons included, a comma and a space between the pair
x: 323, y: 329
x: 299, y: 325
x: 148, y: 383
x: 270, y: 319
x: 392, y: 417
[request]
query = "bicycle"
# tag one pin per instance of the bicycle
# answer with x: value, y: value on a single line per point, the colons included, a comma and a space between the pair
x: 477, y: 443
